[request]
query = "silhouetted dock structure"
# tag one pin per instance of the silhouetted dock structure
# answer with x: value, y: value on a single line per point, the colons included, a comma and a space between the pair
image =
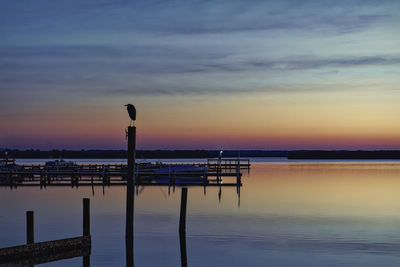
x: 210, y: 173
x: 227, y: 163
x: 42, y: 252
x: 131, y: 175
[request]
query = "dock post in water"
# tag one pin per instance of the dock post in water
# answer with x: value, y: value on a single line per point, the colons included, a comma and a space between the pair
x: 29, y: 228
x: 86, y: 227
x: 36, y: 253
x: 86, y: 217
x: 130, y: 195
x: 238, y: 174
x: 182, y: 227
x: 182, y: 220
x: 205, y: 180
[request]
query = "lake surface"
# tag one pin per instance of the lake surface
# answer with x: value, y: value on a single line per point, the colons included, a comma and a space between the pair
x: 290, y: 213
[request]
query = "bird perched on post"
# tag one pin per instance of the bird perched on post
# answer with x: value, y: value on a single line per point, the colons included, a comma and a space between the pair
x: 131, y: 111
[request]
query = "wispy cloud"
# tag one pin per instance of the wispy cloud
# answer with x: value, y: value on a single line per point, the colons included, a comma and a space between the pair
x: 87, y: 19
x: 161, y: 70
x: 206, y: 58
x: 317, y: 63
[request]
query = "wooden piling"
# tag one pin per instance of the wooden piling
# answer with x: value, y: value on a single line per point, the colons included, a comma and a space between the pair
x: 182, y: 219
x: 92, y: 186
x: 173, y: 180
x: 130, y: 195
x: 25, y: 255
x: 29, y: 227
x: 205, y: 180
x: 205, y: 176
x: 182, y: 227
x: 86, y: 217
x: 238, y: 174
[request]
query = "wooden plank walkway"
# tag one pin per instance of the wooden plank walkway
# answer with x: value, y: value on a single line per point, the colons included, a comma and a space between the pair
x: 44, y: 251
x: 33, y: 253
x: 116, y: 174
x: 228, y: 163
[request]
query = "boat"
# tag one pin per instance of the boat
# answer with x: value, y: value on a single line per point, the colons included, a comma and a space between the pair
x: 60, y: 163
x: 7, y: 166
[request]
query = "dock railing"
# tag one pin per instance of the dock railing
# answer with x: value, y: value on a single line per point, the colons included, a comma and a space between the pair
x: 37, y: 253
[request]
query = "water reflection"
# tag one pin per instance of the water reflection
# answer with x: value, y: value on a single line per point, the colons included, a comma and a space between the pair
x: 291, y: 214
x: 182, y: 243
x: 129, y: 253
x: 86, y: 261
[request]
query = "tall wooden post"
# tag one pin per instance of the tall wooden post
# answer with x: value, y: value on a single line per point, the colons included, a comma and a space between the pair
x: 130, y: 195
x: 29, y: 228
x: 86, y: 217
x: 182, y: 227
x: 86, y: 228
x: 182, y: 220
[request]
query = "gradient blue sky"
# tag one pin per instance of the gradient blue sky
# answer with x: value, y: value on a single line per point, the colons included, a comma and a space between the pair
x: 203, y: 74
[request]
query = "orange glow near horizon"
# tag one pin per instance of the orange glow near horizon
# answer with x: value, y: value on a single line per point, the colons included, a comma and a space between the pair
x: 233, y: 78
x: 303, y: 121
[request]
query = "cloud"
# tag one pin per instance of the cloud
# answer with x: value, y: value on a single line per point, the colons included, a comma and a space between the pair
x: 83, y: 21
x: 318, y: 63
x: 163, y: 70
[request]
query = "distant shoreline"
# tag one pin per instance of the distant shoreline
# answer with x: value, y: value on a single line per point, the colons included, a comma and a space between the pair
x: 188, y: 154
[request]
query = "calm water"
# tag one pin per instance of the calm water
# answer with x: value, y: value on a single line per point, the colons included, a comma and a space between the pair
x: 290, y: 214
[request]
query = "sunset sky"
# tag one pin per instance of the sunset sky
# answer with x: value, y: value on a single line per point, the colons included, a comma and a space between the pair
x: 202, y: 74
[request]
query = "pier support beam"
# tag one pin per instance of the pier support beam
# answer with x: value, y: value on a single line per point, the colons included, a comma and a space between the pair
x: 29, y: 228
x: 130, y: 195
x: 182, y: 219
x: 182, y: 227
x: 86, y: 228
x: 36, y: 253
x: 86, y: 217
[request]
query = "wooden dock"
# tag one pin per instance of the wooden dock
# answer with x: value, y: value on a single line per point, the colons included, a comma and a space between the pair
x: 42, y: 252
x: 210, y: 173
x: 228, y: 163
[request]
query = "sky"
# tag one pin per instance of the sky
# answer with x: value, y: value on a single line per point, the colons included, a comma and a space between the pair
x: 202, y: 74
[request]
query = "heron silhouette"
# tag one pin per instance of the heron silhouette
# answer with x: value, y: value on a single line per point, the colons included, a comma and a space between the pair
x: 132, y: 112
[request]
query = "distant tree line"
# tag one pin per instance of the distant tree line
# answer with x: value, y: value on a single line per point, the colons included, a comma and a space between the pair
x: 114, y: 154
x: 165, y: 154
x: 344, y: 154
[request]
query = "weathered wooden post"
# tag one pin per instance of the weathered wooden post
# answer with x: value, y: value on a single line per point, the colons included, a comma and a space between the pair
x: 29, y: 228
x: 205, y: 176
x: 86, y: 217
x: 130, y: 186
x: 182, y: 227
x: 182, y: 220
x: 130, y: 195
x: 86, y: 227
x: 173, y: 180
x: 92, y: 186
x: 205, y: 180
x: 238, y: 174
